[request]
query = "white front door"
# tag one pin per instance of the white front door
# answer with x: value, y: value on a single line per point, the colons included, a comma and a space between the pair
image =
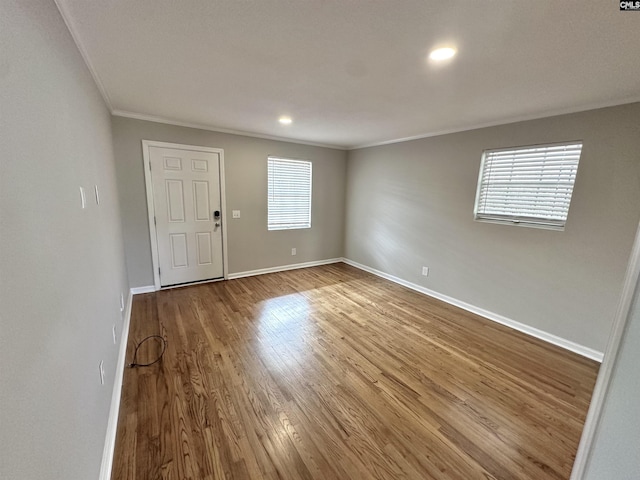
x: 187, y: 207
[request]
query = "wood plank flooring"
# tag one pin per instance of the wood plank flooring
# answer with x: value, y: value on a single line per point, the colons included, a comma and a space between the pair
x: 332, y: 373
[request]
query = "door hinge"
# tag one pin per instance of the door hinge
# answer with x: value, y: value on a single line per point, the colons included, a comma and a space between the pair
x: 158, y: 270
x: 154, y: 221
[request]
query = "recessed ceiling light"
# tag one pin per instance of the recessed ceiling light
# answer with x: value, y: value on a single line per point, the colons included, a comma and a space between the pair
x: 442, y: 53
x: 285, y: 120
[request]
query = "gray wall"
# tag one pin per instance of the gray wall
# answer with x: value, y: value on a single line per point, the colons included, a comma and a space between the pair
x: 411, y: 204
x: 614, y: 453
x: 251, y: 246
x: 61, y: 268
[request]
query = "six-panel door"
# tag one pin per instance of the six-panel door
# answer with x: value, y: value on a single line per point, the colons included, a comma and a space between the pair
x: 186, y: 193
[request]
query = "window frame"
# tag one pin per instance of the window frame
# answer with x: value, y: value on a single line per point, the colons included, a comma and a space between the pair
x: 523, y: 220
x: 291, y: 226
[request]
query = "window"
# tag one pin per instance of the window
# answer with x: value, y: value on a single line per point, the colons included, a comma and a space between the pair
x: 529, y: 186
x: 289, y: 193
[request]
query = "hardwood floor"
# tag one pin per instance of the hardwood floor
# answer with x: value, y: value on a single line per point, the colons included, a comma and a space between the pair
x: 332, y: 373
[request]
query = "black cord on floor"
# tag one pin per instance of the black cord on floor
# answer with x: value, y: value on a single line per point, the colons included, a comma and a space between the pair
x: 135, y: 352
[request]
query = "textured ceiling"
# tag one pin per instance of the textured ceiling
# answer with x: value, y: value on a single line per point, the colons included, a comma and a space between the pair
x: 355, y: 72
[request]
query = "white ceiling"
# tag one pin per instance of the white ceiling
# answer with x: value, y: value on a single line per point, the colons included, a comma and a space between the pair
x: 355, y: 72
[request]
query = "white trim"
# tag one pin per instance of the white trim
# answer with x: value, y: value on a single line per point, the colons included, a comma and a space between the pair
x: 223, y: 209
x: 153, y: 234
x: 603, y: 382
x: 521, y: 327
x: 83, y: 53
x: 504, y: 121
x: 282, y: 268
x: 112, y: 424
x: 145, y: 289
x: 168, y: 121
x: 210, y: 128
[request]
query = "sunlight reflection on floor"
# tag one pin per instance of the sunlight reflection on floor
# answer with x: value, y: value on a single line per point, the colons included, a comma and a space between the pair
x: 283, y: 324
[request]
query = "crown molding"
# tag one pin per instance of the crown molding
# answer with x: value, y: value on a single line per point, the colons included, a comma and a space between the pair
x: 83, y: 52
x: 521, y: 118
x: 201, y: 126
x: 169, y: 121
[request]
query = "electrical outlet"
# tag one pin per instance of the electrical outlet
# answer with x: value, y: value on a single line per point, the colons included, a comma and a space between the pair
x: 95, y: 189
x: 293, y: 251
x: 114, y: 334
x: 425, y: 271
x: 83, y: 198
x: 235, y: 213
x: 101, y: 372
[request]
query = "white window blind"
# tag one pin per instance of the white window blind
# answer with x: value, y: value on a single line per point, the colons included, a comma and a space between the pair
x: 531, y: 185
x: 289, y: 193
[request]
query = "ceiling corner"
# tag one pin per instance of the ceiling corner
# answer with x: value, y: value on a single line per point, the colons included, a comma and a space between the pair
x: 74, y: 35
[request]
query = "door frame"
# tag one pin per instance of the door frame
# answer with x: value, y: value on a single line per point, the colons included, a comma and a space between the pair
x: 153, y: 234
x: 603, y: 382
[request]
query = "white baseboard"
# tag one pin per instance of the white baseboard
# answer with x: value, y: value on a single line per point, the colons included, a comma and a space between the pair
x: 112, y: 425
x: 282, y: 268
x: 534, y: 332
x: 251, y: 273
x: 147, y: 289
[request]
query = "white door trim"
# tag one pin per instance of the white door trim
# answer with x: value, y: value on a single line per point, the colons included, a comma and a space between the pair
x: 153, y: 234
x: 606, y: 369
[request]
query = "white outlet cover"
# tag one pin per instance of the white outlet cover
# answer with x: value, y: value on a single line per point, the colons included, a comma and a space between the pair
x: 235, y: 213
x: 293, y: 251
x: 425, y: 271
